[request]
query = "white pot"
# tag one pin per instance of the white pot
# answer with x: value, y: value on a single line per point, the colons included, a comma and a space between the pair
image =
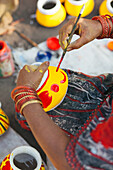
x: 81, y: 2
x: 109, y: 6
x: 51, y: 11
x: 28, y: 150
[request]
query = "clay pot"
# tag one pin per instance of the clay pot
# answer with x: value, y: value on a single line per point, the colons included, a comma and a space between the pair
x: 50, y: 13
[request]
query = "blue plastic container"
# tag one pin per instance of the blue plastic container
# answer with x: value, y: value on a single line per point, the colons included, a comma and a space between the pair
x: 43, y: 56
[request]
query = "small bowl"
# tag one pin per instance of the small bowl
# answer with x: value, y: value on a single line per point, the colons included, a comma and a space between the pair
x: 53, y: 43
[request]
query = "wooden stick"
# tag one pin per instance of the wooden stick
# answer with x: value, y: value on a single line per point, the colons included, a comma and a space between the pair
x: 26, y: 38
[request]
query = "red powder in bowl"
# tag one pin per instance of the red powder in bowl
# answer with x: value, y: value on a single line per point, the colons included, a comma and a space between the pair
x: 53, y: 43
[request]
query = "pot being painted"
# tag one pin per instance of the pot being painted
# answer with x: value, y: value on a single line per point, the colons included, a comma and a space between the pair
x: 73, y: 7
x: 50, y: 13
x: 106, y: 7
x: 52, y: 88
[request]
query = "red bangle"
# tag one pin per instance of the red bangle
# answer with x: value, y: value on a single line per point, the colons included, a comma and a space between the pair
x: 23, y: 95
x: 110, y: 36
x: 19, y: 96
x: 110, y: 25
x: 20, y: 103
x: 21, y: 89
x: 109, y: 17
x: 105, y: 28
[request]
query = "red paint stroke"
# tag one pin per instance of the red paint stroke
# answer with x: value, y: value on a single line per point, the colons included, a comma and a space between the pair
x: 64, y: 80
x: 59, y: 64
x: 46, y: 100
x: 55, y: 87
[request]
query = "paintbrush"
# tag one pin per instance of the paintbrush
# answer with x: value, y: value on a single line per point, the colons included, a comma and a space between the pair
x: 70, y: 36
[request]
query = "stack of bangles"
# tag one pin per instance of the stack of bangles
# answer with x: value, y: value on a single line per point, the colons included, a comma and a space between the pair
x: 107, y: 25
x: 23, y: 96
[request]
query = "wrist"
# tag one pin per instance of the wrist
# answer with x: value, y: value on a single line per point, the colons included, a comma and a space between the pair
x: 29, y: 109
x: 99, y: 28
x: 106, y: 22
x: 24, y: 96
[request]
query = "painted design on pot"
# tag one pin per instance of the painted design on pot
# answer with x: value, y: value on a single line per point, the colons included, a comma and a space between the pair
x: 53, y: 88
x: 23, y: 157
x: 50, y: 13
x: 4, y: 122
x: 106, y: 7
x: 5, y: 165
x: 73, y: 7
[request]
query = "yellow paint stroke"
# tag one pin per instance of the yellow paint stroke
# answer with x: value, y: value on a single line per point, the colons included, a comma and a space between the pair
x: 26, y: 68
x: 41, y: 71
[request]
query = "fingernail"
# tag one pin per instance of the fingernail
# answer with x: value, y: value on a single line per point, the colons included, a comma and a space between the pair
x: 47, y: 63
x: 69, y: 48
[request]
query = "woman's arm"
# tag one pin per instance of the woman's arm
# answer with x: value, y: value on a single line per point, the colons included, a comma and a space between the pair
x: 50, y: 137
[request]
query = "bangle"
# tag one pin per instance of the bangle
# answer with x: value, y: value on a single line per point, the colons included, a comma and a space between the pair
x: 21, y: 89
x: 27, y: 103
x: 105, y: 28
x: 20, y: 103
x: 24, y: 95
x: 21, y: 94
x: 112, y: 25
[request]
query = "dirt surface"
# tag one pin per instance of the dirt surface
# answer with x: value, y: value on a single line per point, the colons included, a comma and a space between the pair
x: 37, y: 33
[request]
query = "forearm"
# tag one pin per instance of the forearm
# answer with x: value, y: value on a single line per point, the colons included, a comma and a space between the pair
x: 49, y: 136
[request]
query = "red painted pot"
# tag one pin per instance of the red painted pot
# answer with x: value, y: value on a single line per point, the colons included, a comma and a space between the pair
x: 6, y: 61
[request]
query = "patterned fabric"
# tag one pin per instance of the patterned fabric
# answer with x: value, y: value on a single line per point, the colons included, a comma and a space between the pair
x: 85, y: 154
x: 84, y: 94
x: 87, y: 103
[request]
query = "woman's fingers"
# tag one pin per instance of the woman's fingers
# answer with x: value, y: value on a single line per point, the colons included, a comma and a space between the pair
x: 78, y: 43
x: 41, y: 70
x: 65, y: 32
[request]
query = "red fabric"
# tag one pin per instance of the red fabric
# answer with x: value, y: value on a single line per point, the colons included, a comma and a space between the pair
x: 104, y: 132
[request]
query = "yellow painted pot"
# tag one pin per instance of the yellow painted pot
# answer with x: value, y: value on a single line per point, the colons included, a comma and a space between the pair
x: 4, y: 122
x: 106, y: 7
x: 62, y: 1
x: 53, y: 88
x: 73, y: 7
x: 50, y: 13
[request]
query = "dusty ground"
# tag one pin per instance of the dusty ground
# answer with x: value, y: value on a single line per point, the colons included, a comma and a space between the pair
x: 38, y: 34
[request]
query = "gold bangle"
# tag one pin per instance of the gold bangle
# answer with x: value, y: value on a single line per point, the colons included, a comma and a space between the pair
x: 29, y: 102
x: 21, y: 93
x: 24, y: 98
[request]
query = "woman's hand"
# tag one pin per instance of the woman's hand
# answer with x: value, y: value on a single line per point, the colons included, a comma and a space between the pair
x: 30, y: 77
x: 86, y: 28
